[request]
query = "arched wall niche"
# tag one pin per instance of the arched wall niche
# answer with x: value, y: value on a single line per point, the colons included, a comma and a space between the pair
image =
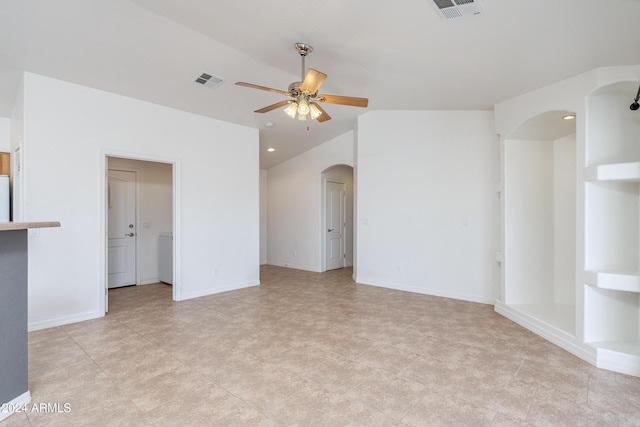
x: 540, y: 218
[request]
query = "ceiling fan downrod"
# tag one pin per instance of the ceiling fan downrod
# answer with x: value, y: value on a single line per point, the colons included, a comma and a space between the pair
x: 303, y: 49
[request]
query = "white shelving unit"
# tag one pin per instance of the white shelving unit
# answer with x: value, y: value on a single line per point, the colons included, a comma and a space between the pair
x: 571, y: 248
x: 621, y: 172
x: 612, y: 228
x: 628, y: 281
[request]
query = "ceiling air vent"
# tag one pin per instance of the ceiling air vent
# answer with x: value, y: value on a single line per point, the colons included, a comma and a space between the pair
x: 209, y: 80
x: 451, y: 9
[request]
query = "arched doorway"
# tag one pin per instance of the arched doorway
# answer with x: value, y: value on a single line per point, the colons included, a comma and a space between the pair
x: 337, y: 232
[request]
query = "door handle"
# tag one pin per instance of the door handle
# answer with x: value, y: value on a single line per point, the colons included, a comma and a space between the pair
x: 129, y: 235
x: 330, y: 230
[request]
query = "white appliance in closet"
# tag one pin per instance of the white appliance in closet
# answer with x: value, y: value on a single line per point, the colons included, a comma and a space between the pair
x: 165, y: 253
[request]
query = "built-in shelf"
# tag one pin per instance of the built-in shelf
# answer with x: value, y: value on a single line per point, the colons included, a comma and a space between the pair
x: 615, y: 280
x: 614, y: 172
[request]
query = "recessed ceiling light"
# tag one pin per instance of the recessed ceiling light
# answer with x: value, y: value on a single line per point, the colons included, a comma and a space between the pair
x: 269, y: 125
x: 271, y: 149
x: 569, y: 117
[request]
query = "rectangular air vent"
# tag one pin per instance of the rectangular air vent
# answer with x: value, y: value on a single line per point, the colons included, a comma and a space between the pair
x: 209, y: 80
x: 451, y: 9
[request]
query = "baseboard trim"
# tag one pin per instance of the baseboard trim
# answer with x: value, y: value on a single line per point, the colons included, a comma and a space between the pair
x: 426, y: 291
x: 9, y: 408
x: 617, y: 361
x: 295, y: 267
x: 64, y: 320
x: 550, y: 333
x: 217, y: 290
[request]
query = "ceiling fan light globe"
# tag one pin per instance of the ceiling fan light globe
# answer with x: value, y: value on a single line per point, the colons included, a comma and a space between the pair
x: 303, y: 107
x: 314, y: 112
x: 291, y: 110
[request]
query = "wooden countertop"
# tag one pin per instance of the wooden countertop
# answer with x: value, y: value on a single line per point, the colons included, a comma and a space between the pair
x: 7, y: 226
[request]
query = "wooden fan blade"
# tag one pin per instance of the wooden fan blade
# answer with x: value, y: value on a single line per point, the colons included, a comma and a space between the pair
x: 345, y: 100
x: 268, y: 89
x: 312, y: 81
x: 322, y: 117
x: 272, y: 107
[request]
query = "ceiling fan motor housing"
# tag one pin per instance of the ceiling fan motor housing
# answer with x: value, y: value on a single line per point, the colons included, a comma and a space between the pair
x: 294, y: 88
x: 303, y: 49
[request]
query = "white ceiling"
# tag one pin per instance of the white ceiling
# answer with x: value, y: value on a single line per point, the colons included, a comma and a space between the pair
x: 400, y: 54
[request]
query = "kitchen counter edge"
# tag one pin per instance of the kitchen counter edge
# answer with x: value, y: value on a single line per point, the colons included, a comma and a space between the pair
x: 7, y: 226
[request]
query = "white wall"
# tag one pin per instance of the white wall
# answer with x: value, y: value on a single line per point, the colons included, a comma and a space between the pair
x: 541, y: 224
x: 294, y: 204
x: 426, y: 184
x: 529, y: 192
x: 564, y: 214
x: 155, y: 215
x: 264, y: 182
x: 67, y: 131
x: 5, y: 140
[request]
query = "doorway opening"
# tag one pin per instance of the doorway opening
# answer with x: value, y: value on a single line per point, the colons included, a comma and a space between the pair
x: 139, y: 223
x: 337, y: 233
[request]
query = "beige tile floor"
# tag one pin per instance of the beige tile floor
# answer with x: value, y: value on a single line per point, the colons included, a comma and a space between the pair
x: 309, y: 349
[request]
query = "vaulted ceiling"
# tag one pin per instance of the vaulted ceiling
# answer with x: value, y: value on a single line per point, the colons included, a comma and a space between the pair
x: 400, y: 54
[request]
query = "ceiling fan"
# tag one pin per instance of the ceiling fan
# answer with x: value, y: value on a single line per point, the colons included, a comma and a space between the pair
x: 304, y: 95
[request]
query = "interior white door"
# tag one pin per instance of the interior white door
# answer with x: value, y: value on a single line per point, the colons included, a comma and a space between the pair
x: 121, y: 214
x: 334, y: 224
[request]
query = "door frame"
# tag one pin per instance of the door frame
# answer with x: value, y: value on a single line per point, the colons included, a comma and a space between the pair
x: 323, y: 221
x: 137, y: 217
x: 102, y: 200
